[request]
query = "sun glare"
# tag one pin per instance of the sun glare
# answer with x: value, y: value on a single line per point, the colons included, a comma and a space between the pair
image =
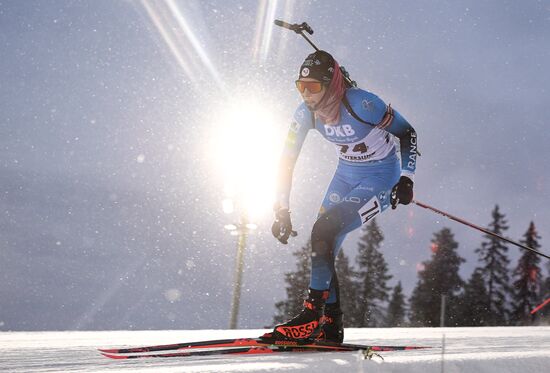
x: 245, y: 151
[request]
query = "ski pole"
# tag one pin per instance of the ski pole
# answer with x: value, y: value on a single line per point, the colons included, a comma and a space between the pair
x: 299, y: 29
x: 486, y: 231
x: 540, y: 306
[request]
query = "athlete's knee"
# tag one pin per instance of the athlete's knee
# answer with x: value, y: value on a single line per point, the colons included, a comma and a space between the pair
x: 325, y: 230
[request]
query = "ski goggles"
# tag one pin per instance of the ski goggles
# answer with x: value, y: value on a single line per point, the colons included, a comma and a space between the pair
x: 312, y: 87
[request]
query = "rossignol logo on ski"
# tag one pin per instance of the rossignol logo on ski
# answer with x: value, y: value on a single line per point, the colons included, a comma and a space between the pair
x: 298, y: 331
x: 284, y: 342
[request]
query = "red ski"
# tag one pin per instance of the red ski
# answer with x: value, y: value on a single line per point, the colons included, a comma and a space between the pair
x: 243, y: 346
x: 229, y: 351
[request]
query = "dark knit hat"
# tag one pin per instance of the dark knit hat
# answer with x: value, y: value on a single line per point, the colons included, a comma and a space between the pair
x: 318, y: 65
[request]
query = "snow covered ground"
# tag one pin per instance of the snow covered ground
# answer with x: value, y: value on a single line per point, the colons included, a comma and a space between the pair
x: 465, y: 350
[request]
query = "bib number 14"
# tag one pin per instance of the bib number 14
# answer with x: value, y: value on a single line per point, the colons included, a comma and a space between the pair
x: 357, y: 148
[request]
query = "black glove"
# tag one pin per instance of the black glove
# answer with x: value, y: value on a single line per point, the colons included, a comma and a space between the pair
x: 282, y: 226
x: 402, y: 192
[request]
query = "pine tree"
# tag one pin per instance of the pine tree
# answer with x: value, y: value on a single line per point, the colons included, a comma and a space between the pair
x: 494, y: 271
x: 348, y: 289
x: 396, y: 308
x: 528, y: 279
x: 372, y: 277
x: 472, y: 309
x: 297, y: 286
x: 439, y: 277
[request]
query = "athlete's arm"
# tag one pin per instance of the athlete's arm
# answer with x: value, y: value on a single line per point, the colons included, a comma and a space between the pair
x: 284, y: 181
x: 282, y: 226
x: 296, y: 136
x: 400, y: 128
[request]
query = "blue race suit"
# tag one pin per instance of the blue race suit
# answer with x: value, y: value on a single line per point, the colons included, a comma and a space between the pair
x: 367, y: 170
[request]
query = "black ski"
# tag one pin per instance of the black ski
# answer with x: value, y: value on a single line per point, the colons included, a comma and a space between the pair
x: 232, y: 351
x: 250, y: 343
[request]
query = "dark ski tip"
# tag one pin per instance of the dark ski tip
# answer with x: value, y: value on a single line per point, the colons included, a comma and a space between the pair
x: 111, y: 356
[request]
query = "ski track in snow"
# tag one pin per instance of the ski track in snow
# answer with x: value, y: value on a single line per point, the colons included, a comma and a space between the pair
x: 500, y: 349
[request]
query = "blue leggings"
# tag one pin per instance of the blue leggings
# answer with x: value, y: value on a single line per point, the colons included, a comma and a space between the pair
x: 356, y: 194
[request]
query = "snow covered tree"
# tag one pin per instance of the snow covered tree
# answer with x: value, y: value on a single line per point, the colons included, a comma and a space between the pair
x: 372, y: 276
x: 472, y: 309
x: 348, y: 289
x: 396, y: 308
x: 494, y: 271
x: 297, y: 285
x: 527, y: 280
x: 439, y: 277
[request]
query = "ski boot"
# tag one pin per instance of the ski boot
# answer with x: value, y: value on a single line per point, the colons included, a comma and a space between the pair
x: 332, y: 329
x: 307, y: 324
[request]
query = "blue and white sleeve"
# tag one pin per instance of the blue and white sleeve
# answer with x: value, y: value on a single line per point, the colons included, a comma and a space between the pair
x: 408, y: 141
x: 297, y: 132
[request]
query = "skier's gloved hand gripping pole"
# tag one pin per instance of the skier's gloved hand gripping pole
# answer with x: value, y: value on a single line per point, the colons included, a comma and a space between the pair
x: 282, y: 226
x: 486, y: 231
x: 402, y: 192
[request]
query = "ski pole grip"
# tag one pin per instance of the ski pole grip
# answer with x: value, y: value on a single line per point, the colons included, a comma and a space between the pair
x: 280, y: 23
x: 304, y: 26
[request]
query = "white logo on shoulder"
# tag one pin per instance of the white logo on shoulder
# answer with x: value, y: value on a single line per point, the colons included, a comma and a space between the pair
x: 295, y: 126
x: 368, y: 105
x: 305, y: 71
